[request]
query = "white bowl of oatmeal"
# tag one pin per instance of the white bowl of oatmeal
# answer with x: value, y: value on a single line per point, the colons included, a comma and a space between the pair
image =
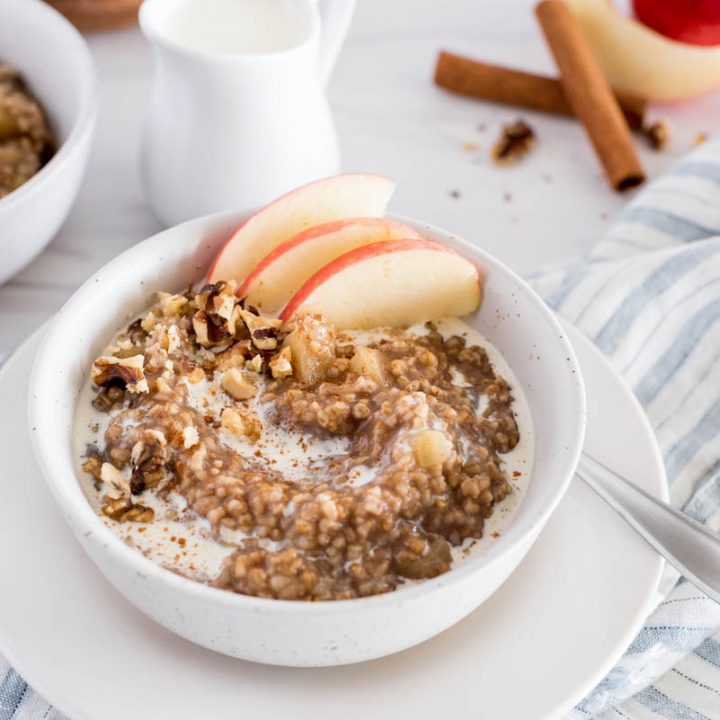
x: 52, y: 59
x: 256, y: 517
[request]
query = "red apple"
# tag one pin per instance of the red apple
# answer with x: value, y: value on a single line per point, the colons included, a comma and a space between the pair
x: 284, y: 271
x: 391, y: 284
x: 690, y: 21
x: 638, y: 60
x: 333, y: 198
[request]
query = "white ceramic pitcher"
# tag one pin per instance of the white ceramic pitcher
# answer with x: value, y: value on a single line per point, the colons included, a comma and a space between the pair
x: 238, y: 113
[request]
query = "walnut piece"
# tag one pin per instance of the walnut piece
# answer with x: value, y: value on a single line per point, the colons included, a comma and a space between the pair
x: 263, y: 330
x: 659, y: 134
x: 125, y: 510
x: 281, y: 363
x: 515, y: 142
x: 243, y: 425
x: 117, y: 484
x: 125, y: 373
x: 171, y: 305
x: 237, y: 386
x: 148, y: 322
x: 207, y: 333
x: 255, y: 363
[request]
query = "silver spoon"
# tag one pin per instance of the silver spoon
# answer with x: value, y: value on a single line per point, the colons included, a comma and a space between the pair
x: 686, y: 544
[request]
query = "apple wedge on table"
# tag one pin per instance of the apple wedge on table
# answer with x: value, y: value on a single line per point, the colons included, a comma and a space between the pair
x: 334, y: 198
x: 391, y: 284
x: 284, y: 271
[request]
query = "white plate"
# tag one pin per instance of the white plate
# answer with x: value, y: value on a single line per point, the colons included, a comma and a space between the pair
x: 535, y: 648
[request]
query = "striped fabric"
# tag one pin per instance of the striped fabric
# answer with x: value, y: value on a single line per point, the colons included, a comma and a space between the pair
x: 649, y: 296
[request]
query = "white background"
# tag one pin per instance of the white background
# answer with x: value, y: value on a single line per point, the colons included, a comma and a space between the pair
x: 391, y: 120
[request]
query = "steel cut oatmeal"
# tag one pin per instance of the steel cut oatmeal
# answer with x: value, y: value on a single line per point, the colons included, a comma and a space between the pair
x: 290, y: 460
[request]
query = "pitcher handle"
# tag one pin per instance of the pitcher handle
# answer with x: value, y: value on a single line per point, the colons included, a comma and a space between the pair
x: 336, y: 16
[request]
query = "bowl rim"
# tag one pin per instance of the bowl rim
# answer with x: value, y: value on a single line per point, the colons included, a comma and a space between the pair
x: 83, y: 518
x: 85, y: 114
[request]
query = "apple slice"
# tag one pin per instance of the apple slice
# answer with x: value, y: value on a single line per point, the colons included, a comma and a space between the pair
x: 391, y: 284
x: 284, y: 271
x: 639, y: 61
x: 333, y: 198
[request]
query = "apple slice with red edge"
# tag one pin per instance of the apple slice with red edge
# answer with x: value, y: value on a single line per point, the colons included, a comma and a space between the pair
x: 640, y: 61
x: 283, y: 272
x: 391, y: 284
x: 322, y: 201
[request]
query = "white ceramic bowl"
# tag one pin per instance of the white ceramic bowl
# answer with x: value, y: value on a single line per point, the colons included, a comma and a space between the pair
x: 55, y: 61
x: 286, y: 632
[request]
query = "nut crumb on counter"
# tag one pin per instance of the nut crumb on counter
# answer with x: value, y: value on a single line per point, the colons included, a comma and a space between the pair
x: 658, y: 134
x: 516, y: 140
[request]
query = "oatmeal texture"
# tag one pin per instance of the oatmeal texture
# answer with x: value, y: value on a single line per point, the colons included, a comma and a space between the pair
x: 25, y: 140
x: 424, y: 418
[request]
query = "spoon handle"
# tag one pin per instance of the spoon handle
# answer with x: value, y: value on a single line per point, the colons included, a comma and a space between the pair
x: 686, y: 544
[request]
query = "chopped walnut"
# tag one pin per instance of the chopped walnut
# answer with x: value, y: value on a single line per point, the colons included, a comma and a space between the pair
x: 234, y: 356
x: 237, y: 386
x: 170, y: 339
x: 125, y: 510
x: 125, y: 373
x: 149, y: 321
x: 280, y: 363
x: 118, y: 485
x: 516, y: 141
x: 243, y: 425
x: 207, y: 333
x: 255, y: 363
x: 149, y: 463
x: 108, y: 398
x: 171, y: 305
x: 224, y: 304
x: 93, y: 464
x: 263, y: 330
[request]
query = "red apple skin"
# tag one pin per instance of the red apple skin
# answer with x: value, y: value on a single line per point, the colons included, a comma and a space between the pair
x: 359, y: 254
x: 304, y: 236
x: 216, y: 259
x: 696, y: 22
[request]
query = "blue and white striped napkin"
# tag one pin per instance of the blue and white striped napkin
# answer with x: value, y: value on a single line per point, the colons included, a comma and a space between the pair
x: 649, y: 296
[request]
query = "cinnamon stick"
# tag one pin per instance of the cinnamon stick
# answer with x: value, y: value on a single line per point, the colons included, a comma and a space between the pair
x: 589, y: 95
x: 513, y: 87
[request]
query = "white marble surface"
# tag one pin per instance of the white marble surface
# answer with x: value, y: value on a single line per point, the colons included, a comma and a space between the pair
x: 392, y: 120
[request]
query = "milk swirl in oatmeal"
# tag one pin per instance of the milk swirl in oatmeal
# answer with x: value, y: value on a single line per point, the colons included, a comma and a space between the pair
x: 295, y: 462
